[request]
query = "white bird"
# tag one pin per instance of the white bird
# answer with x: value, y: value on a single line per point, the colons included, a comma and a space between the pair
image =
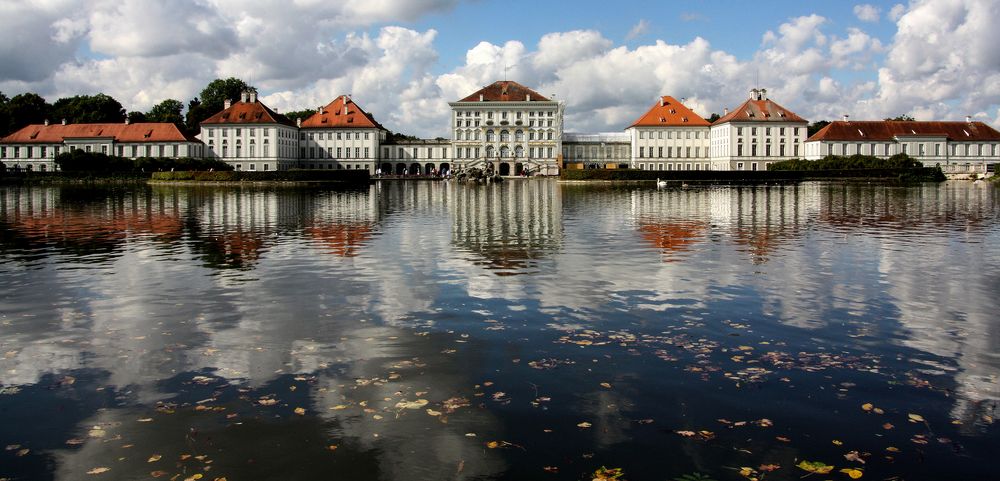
x: 660, y: 183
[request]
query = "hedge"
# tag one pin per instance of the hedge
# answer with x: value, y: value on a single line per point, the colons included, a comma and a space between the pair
x: 758, y: 176
x: 853, y: 162
x: 351, y: 176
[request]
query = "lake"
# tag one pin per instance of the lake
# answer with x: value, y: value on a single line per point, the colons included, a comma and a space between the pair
x: 527, y: 330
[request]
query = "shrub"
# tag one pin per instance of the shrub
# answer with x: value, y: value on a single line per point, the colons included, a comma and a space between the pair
x: 853, y: 162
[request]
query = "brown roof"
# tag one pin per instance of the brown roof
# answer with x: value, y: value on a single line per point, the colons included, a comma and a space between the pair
x: 763, y: 110
x: 882, y: 130
x: 139, y: 132
x: 248, y: 113
x: 505, y: 91
x: 668, y: 112
x: 334, y: 116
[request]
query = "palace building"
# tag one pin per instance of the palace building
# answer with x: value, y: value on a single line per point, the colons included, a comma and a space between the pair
x: 36, y: 146
x: 512, y: 130
x: 956, y: 147
x: 509, y: 127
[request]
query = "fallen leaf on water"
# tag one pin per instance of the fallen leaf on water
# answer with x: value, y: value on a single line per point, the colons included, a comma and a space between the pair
x: 854, y: 456
x: 887, y: 426
x: 815, y: 467
x: 765, y: 423
x: 419, y: 403
x: 145, y: 420
x: 158, y: 474
x: 22, y: 452
x: 470, y: 435
x: 194, y: 477
x: 608, y: 474
x: 584, y: 425
x: 606, y: 385
x: 915, y: 418
x: 686, y: 434
x: 154, y: 458
x: 853, y: 473
x: 431, y: 412
x: 892, y: 449
x: 100, y: 470
x: 332, y: 447
x: 878, y: 411
x: 867, y: 406
x: 300, y: 411
x: 769, y: 467
x: 96, y: 433
x: 746, y: 472
x: 783, y: 439
x: 267, y: 402
x: 837, y: 442
x: 339, y: 407
x: 551, y: 469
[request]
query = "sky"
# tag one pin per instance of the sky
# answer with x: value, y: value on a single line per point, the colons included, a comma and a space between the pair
x: 404, y: 60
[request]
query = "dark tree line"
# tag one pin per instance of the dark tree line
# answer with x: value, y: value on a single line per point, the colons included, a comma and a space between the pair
x: 30, y: 108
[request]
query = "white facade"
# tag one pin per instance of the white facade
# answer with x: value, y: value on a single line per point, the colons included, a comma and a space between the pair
x: 754, y: 146
x: 597, y: 151
x: 418, y: 157
x: 252, y: 147
x: 340, y: 148
x: 525, y: 133
x: 670, y: 148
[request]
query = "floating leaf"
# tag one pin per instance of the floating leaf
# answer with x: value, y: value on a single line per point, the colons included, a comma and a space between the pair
x: 686, y: 434
x: 606, y: 474
x: 887, y: 426
x: 815, y: 467
x: 867, y: 406
x: 837, y: 442
x: 767, y: 468
x: 431, y: 412
x: 892, y: 449
x: 584, y: 425
x: 96, y: 433
x: 300, y: 411
x: 853, y: 473
x: 158, y: 474
x: 154, y: 458
x: 419, y: 403
x: 99, y: 470
x: 606, y: 385
x: 915, y: 418
x: 22, y: 452
x: 854, y: 456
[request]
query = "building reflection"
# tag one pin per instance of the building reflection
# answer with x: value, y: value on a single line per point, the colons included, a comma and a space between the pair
x: 508, y: 227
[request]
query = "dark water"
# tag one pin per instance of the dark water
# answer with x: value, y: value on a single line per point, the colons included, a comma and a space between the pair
x: 427, y: 331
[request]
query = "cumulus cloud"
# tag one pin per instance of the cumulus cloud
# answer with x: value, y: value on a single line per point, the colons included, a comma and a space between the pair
x: 867, y: 12
x: 896, y: 12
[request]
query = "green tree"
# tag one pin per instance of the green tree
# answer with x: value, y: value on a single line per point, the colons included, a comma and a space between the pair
x: 4, y: 115
x: 712, y: 118
x: 816, y: 127
x: 89, y: 109
x: 167, y: 111
x: 903, y: 117
x: 26, y: 109
x: 212, y: 98
x: 300, y: 114
x: 136, y: 117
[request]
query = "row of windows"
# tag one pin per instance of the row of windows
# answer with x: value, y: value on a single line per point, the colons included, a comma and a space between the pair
x: 504, y: 135
x: 681, y: 152
x: 677, y: 166
x: 327, y: 153
x: 329, y: 135
x: 670, y: 134
x: 415, y: 152
x: 505, y: 152
x: 252, y: 131
x: 767, y: 151
x: 768, y: 131
x: 504, y: 114
x: 44, y: 152
x: 337, y: 166
x: 955, y: 150
x: 475, y: 123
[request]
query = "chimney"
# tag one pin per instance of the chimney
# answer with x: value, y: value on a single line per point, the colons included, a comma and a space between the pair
x: 481, y: 97
x: 46, y: 122
x: 64, y: 121
x: 725, y: 111
x: 243, y: 96
x: 227, y: 103
x: 763, y: 94
x: 253, y: 96
x: 527, y: 98
x: 968, y: 119
x: 753, y: 94
x: 127, y: 120
x: 846, y: 117
x: 661, y: 101
x: 298, y: 122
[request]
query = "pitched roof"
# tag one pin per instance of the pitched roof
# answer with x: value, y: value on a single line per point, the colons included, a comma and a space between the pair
x: 882, y: 130
x: 505, y: 91
x: 138, y: 132
x: 760, y: 110
x: 342, y: 113
x: 668, y: 112
x: 248, y: 113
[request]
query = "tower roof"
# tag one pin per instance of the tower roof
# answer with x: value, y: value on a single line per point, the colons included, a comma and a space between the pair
x: 252, y: 111
x: 668, y: 112
x: 505, y: 91
x: 759, y: 108
x: 342, y: 113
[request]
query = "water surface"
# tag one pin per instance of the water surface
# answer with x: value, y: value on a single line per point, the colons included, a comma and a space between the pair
x: 529, y: 330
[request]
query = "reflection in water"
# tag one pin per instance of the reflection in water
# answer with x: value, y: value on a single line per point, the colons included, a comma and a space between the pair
x: 415, y: 322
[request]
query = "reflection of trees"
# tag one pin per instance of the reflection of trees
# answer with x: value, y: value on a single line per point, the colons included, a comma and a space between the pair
x: 508, y: 226
x: 672, y: 237
x: 864, y: 207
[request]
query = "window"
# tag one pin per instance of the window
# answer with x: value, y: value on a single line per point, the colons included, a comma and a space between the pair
x: 366, y: 152
x: 660, y: 135
x: 357, y: 152
x: 642, y: 135
x: 211, y: 133
x: 357, y: 136
x: 339, y: 134
x: 253, y: 166
x: 43, y: 151
x: 660, y: 151
x: 642, y: 152
x: 3, y: 152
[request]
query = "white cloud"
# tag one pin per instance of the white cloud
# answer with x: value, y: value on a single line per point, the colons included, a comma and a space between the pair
x: 638, y: 29
x: 867, y: 13
x: 896, y: 12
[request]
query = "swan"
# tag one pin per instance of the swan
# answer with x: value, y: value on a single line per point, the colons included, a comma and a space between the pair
x: 660, y: 183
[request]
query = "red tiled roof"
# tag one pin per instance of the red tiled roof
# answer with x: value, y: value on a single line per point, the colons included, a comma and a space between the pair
x: 248, y: 113
x: 139, y: 132
x: 765, y: 110
x: 882, y: 130
x: 505, y: 91
x: 333, y: 116
x: 668, y: 112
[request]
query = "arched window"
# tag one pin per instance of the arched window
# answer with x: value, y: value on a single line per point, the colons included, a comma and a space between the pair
x: 489, y: 152
x: 518, y: 151
x: 489, y: 136
x: 504, y: 152
x: 519, y: 136
x: 504, y: 136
